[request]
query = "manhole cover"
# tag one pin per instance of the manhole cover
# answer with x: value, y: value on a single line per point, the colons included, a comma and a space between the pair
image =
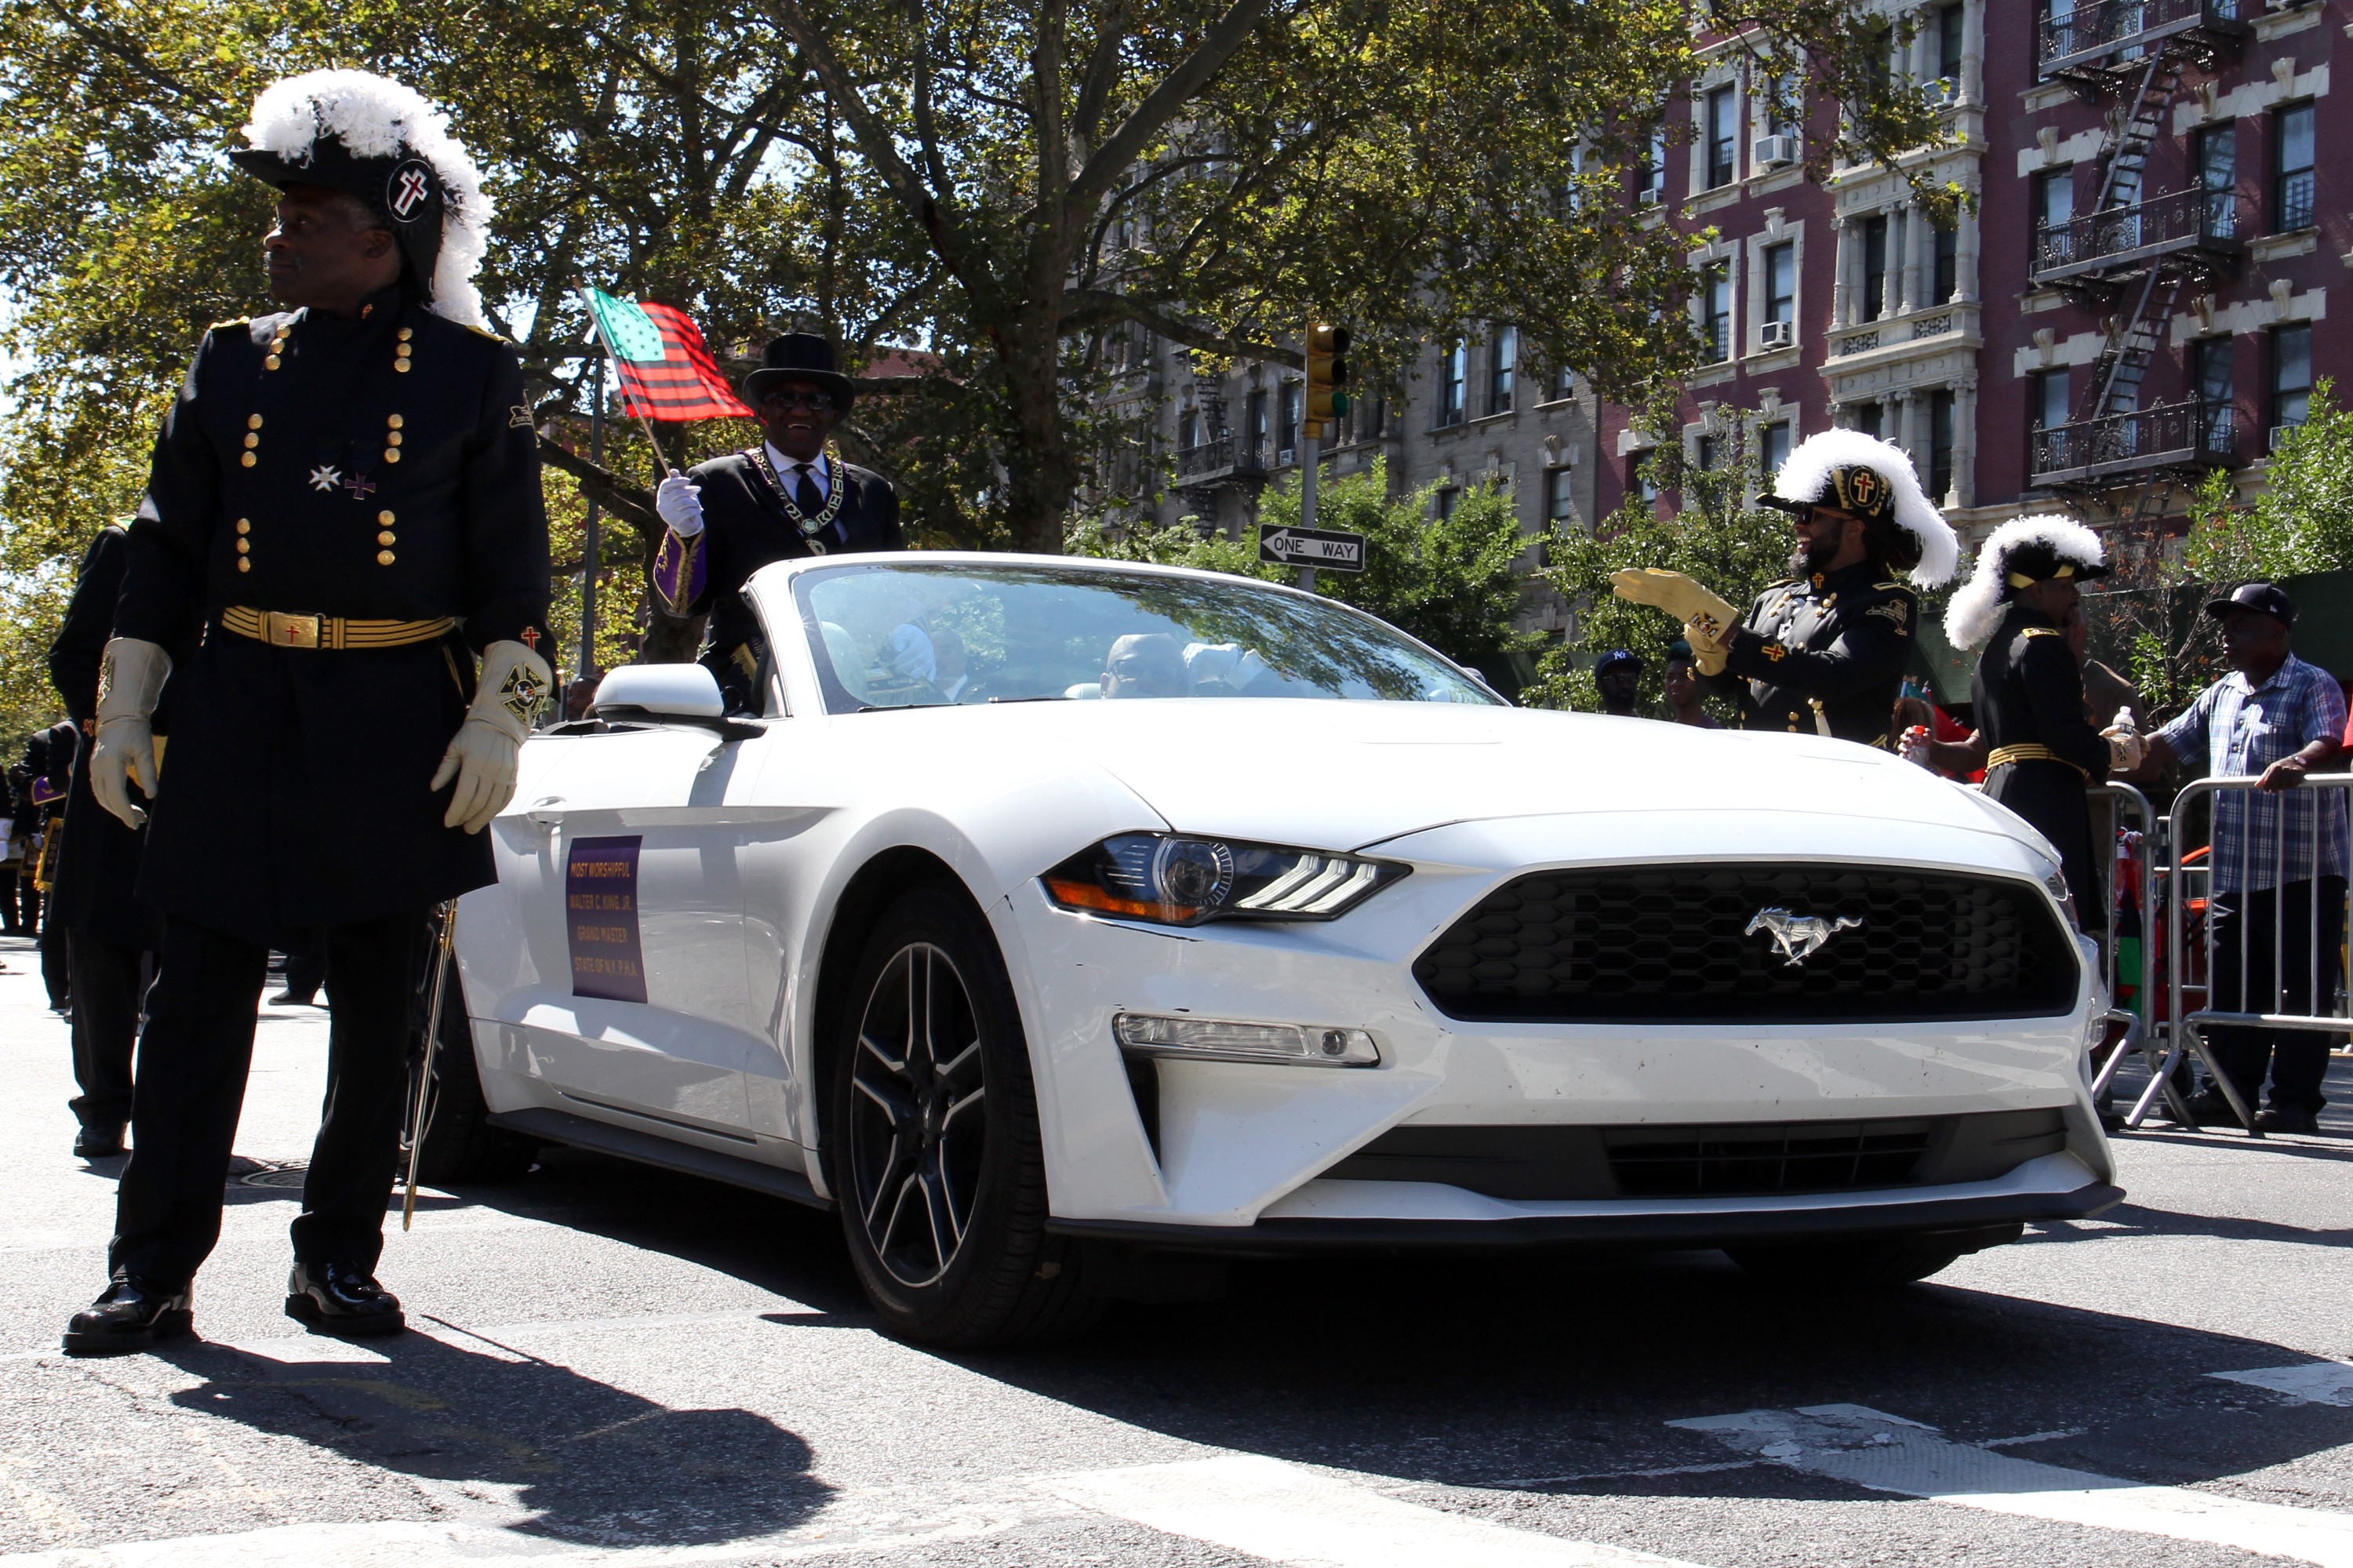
x: 291, y: 1175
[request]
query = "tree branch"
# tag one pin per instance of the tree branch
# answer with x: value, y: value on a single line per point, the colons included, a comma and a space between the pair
x: 1092, y: 307
x: 632, y: 504
x: 1162, y: 104
x: 1103, y: 74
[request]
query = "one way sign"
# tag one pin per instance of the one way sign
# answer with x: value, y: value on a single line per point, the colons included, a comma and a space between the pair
x: 1327, y: 549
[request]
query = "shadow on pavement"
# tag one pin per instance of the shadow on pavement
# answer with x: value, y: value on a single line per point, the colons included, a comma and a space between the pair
x: 591, y: 1462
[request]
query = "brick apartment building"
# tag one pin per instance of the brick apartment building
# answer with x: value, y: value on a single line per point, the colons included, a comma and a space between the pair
x: 2141, y: 297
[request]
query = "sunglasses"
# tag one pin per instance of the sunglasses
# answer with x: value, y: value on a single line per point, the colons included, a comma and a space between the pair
x: 815, y: 402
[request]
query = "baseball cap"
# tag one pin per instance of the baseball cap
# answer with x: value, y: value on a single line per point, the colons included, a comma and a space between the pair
x: 1611, y: 660
x: 2262, y: 597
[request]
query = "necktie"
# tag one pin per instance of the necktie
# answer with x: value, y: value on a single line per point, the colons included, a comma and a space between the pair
x: 805, y: 495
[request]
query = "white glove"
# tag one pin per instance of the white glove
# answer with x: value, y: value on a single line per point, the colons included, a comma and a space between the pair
x: 481, y: 755
x: 131, y: 676
x: 679, y: 500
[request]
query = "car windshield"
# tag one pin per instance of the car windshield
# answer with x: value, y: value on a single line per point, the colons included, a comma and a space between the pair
x: 923, y: 636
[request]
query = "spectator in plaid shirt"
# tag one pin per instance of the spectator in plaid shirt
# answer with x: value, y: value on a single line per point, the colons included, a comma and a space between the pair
x: 2278, y: 865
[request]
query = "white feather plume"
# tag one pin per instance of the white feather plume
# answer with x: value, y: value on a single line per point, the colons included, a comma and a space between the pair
x: 1977, y: 608
x: 375, y: 117
x: 1806, y: 476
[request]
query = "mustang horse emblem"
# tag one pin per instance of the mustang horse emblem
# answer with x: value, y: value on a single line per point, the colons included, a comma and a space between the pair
x: 1799, y: 936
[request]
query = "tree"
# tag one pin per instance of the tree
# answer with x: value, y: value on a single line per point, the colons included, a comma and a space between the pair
x: 1718, y: 539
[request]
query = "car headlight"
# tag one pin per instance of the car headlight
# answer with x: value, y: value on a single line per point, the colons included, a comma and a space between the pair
x: 1177, y: 880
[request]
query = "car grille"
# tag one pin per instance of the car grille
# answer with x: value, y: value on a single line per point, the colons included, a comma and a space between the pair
x: 1538, y: 1162
x: 1672, y: 944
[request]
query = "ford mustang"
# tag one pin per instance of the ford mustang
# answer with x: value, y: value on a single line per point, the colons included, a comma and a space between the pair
x: 1071, y: 926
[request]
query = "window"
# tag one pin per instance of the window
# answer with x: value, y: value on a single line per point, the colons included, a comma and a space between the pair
x: 1874, y: 269
x: 1650, y: 174
x: 1639, y: 480
x: 2213, y: 374
x: 1715, y: 309
x: 1188, y: 427
x: 2217, y: 177
x: 1562, y: 386
x: 1256, y: 429
x: 1560, y: 504
x: 1448, y: 499
x: 1946, y: 245
x: 1781, y: 282
x: 2059, y: 29
x: 1453, y: 379
x: 1940, y: 447
x: 1287, y: 430
x: 1369, y: 416
x: 2054, y: 210
x: 1722, y: 136
x: 1778, y: 92
x: 2049, y: 397
x: 1869, y: 417
x: 1945, y: 45
x: 1772, y: 448
x: 2292, y: 169
x: 1704, y: 454
x: 2291, y: 374
x: 1503, y: 365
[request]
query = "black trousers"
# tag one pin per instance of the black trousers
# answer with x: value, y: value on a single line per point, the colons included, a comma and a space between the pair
x: 2278, y: 927
x: 306, y: 969
x: 56, y: 959
x: 110, y: 981
x: 192, y: 1061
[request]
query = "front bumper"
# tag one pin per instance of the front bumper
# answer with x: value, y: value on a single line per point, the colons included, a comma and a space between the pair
x: 1322, y: 1217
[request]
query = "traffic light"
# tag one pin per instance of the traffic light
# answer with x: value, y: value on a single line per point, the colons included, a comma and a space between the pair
x: 1328, y: 378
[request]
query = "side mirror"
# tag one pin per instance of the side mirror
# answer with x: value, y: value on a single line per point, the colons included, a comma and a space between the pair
x: 686, y: 692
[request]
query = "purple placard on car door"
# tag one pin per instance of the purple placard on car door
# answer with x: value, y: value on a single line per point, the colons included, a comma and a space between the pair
x: 600, y: 919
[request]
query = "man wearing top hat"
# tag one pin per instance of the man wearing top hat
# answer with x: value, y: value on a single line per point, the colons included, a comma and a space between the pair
x: 1823, y: 652
x: 786, y: 497
x: 347, y: 492
x: 2027, y: 692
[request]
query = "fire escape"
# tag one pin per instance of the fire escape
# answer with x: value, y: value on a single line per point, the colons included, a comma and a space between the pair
x: 1223, y: 459
x: 2129, y: 260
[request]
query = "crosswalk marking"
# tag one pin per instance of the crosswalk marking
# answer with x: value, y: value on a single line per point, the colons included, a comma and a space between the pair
x: 1886, y: 1453
x: 1287, y: 1514
x: 2314, y: 1383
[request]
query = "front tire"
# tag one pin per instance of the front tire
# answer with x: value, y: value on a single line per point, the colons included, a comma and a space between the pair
x: 933, y: 1151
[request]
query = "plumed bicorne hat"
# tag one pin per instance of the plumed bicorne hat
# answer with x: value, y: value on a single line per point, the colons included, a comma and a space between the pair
x: 1874, y: 481
x: 2022, y: 551
x: 370, y: 137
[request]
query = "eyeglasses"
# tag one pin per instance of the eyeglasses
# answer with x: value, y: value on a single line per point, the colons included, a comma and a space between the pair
x: 815, y: 402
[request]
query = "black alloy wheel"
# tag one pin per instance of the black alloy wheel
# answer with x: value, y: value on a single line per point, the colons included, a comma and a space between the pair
x: 917, y: 1136
x: 933, y: 1149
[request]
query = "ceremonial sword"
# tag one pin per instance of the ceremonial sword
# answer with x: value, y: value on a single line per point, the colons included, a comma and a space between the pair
x: 423, y: 1113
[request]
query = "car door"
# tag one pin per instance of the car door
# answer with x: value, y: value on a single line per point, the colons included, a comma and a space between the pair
x: 641, y: 907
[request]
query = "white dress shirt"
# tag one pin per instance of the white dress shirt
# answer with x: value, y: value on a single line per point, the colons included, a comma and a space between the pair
x: 820, y: 472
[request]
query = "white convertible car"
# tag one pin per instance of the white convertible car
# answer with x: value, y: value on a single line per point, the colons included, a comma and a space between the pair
x: 1064, y: 923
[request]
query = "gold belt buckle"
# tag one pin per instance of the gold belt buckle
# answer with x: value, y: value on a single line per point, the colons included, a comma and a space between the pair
x: 290, y: 630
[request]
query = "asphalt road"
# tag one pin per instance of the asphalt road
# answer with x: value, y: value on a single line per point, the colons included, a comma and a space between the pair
x: 618, y: 1366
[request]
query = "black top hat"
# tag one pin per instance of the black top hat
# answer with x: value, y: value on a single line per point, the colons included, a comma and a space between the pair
x: 2260, y: 597
x: 403, y: 191
x: 799, y: 356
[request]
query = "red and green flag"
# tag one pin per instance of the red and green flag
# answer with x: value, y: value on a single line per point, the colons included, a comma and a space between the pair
x: 666, y: 373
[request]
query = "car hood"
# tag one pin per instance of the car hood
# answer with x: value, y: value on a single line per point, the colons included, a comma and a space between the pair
x: 1346, y: 775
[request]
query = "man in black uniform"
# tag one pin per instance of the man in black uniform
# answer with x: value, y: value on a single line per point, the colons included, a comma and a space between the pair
x: 789, y: 496
x: 111, y: 938
x: 2028, y: 693
x: 349, y: 492
x: 1823, y: 652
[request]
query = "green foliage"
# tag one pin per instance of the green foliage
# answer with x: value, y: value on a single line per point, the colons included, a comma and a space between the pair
x: 1718, y: 539
x: 2301, y: 521
x: 1178, y: 544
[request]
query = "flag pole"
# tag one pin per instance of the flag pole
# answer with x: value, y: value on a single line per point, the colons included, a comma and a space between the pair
x: 597, y: 325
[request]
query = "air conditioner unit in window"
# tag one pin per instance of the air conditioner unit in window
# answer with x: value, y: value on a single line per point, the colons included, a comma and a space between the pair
x: 1288, y: 457
x: 2277, y: 435
x: 1774, y: 335
x: 1771, y: 152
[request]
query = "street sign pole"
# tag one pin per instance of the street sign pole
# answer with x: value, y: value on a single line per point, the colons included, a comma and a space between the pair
x: 1308, y: 442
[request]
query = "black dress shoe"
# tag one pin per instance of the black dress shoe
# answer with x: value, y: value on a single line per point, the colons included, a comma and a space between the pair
x: 98, y: 1143
x: 288, y: 999
x: 2278, y: 1120
x: 2208, y: 1108
x: 129, y: 1316
x: 342, y: 1298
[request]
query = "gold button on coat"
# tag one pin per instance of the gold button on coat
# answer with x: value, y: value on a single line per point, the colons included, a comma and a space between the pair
x: 243, y: 565
x: 270, y: 363
x: 392, y: 454
x: 251, y: 440
x: 244, y: 547
x: 250, y: 460
x: 384, y: 557
x: 384, y: 518
x: 387, y: 538
x: 253, y: 422
x: 245, y: 524
x: 395, y: 422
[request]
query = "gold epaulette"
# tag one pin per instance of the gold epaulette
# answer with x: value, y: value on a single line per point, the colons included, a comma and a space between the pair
x: 483, y: 332
x: 240, y: 320
x: 2038, y: 632
x: 1888, y: 584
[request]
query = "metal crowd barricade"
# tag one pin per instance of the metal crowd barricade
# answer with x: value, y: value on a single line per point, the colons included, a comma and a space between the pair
x: 2311, y: 998
x: 2143, y: 1034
